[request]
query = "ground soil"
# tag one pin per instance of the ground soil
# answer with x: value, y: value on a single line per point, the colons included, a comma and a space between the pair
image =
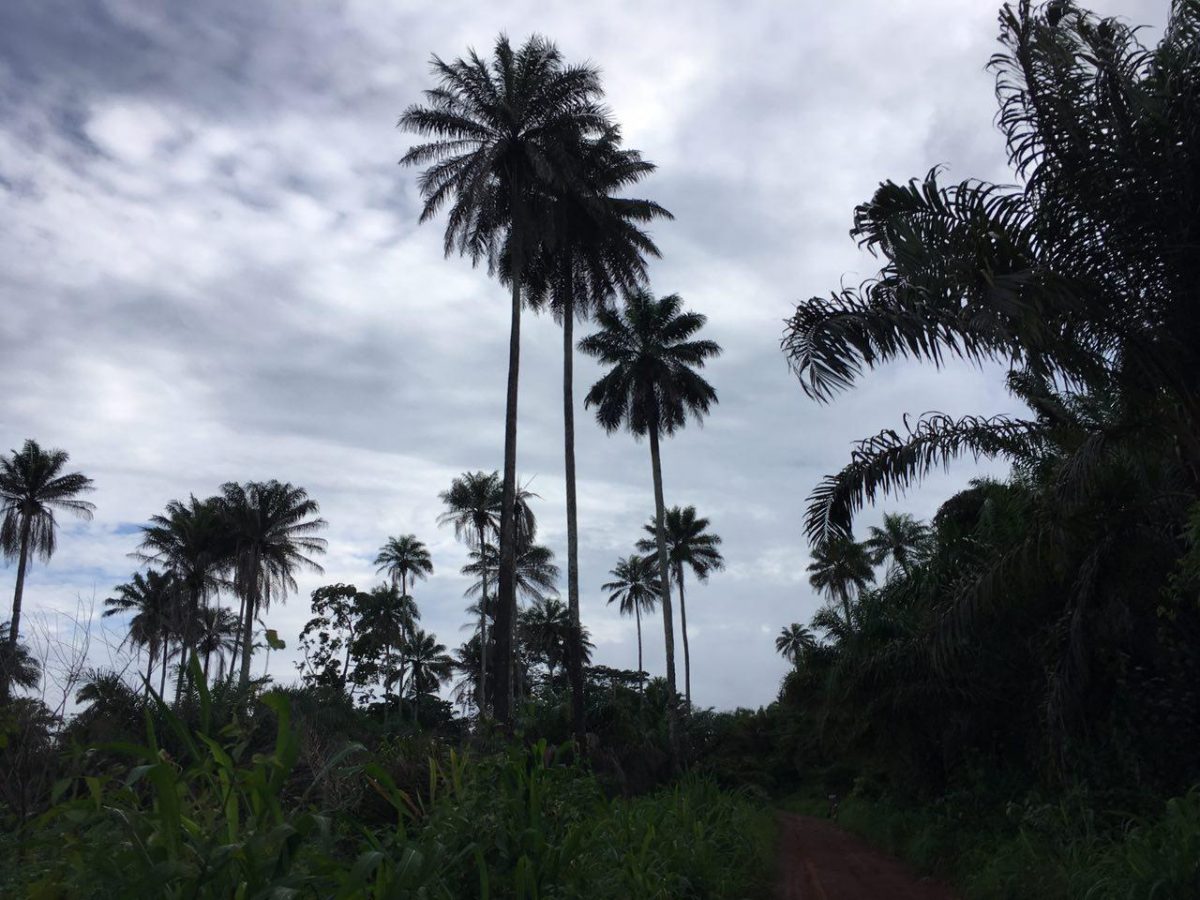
x: 820, y: 861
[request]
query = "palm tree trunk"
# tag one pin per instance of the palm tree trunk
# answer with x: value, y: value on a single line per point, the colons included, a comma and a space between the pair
x: 575, y: 637
x: 483, y: 604
x: 207, y: 654
x: 237, y: 639
x: 14, y: 627
x: 687, y: 660
x: 250, y: 605
x: 185, y: 649
x: 664, y: 573
x: 506, y: 610
x: 162, y: 676
x: 637, y: 613
x: 151, y: 654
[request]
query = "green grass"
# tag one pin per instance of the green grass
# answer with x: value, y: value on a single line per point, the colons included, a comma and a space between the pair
x: 219, y: 820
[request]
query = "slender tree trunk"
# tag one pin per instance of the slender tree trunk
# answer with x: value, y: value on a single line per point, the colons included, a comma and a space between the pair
x: 237, y: 639
x: 162, y: 676
x: 506, y: 612
x: 846, y: 608
x: 151, y: 655
x: 250, y: 607
x: 483, y: 647
x: 687, y: 661
x: 637, y: 613
x: 664, y: 573
x: 575, y: 637
x: 14, y: 627
x: 185, y: 649
x: 207, y: 654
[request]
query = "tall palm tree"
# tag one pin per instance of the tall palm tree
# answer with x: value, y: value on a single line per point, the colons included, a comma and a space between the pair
x: 596, y: 248
x: 217, y: 632
x: 635, y: 588
x: 841, y: 569
x: 473, y: 506
x: 651, y: 388
x: 273, y: 525
x: 795, y: 641
x: 18, y: 666
x: 32, y: 486
x: 402, y: 558
x: 547, y: 632
x: 903, y: 540
x: 154, y: 600
x: 502, y: 134
x: 688, y: 544
x: 192, y: 542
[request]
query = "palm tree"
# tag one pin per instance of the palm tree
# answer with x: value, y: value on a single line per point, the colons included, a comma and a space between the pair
x: 430, y: 663
x: 795, y: 641
x: 841, y: 569
x: 536, y: 576
x: 1080, y: 273
x: 688, y: 543
x: 273, y: 526
x: 635, y: 588
x: 32, y: 486
x: 547, y: 633
x: 473, y: 506
x: 154, y: 600
x: 17, y: 665
x: 402, y: 558
x: 597, y: 247
x: 651, y: 388
x: 389, y: 620
x: 503, y: 133
x: 217, y: 632
x: 902, y: 539
x: 191, y: 541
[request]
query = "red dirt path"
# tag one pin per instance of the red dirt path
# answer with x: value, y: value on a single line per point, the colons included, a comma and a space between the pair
x: 819, y: 861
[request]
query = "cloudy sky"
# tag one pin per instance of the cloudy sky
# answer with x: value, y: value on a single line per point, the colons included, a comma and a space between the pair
x: 211, y: 270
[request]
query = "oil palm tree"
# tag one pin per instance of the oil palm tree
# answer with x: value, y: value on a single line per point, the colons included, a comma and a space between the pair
x: 536, y: 577
x: 402, y: 558
x: 191, y: 541
x: 430, y: 666
x: 635, y: 589
x: 841, y: 569
x: 154, y: 601
x: 217, y: 632
x: 794, y: 642
x: 903, y: 540
x: 547, y: 632
x: 473, y: 506
x: 502, y: 134
x: 388, y: 621
x: 18, y: 666
x: 651, y: 388
x: 688, y: 544
x: 1081, y: 273
x: 273, y: 527
x: 597, y: 247
x: 33, y: 486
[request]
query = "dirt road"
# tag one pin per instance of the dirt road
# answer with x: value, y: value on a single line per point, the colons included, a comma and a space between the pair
x: 820, y: 861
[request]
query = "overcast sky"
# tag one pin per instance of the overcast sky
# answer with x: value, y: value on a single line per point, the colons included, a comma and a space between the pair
x: 211, y: 270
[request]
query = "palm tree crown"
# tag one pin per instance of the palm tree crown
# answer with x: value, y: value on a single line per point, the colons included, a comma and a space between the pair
x: 794, y: 641
x: 652, y: 383
x: 841, y: 569
x: 903, y: 540
x: 404, y: 557
x: 635, y: 585
x: 688, y: 542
